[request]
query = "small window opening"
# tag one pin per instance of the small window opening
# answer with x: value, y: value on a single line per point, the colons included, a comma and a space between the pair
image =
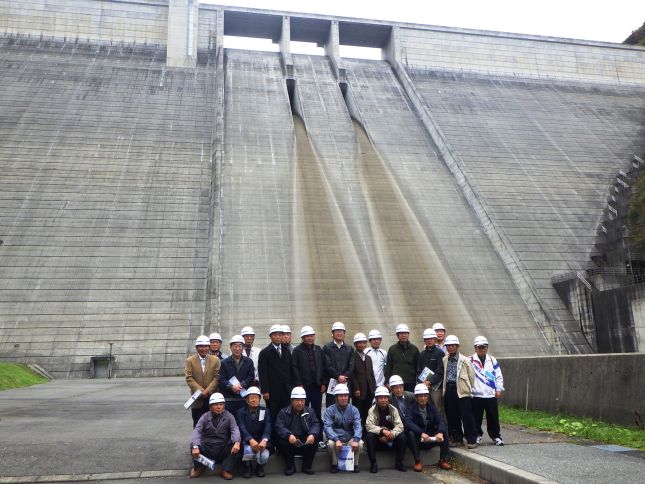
x: 353, y: 52
x: 250, y: 43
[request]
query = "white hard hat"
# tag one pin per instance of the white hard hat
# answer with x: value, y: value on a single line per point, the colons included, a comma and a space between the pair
x: 247, y: 330
x: 382, y: 392
x: 253, y: 391
x: 275, y: 328
x: 374, y: 334
x: 437, y: 326
x: 341, y: 389
x: 480, y: 340
x: 202, y: 341
x: 402, y: 328
x: 216, y: 398
x: 359, y: 337
x: 395, y: 380
x: 216, y: 336
x: 337, y: 325
x: 429, y: 333
x: 421, y: 389
x: 236, y: 339
x: 451, y: 339
x: 298, y: 392
x: 306, y: 331
x: 286, y: 328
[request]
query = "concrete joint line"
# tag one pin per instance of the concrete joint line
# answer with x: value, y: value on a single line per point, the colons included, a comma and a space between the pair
x: 94, y: 477
x: 495, y: 471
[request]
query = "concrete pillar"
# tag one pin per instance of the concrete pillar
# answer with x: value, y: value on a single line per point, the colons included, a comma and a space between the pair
x: 181, y: 50
x: 285, y: 47
x: 332, y: 50
x: 393, y: 52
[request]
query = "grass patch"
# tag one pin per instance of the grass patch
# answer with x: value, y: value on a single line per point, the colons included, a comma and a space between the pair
x: 570, y: 425
x: 13, y: 375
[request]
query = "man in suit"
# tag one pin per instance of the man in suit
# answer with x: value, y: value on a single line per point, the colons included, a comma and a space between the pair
x: 274, y: 369
x: 308, y: 366
x: 399, y: 397
x: 237, y: 374
x: 362, y: 379
x: 202, y: 373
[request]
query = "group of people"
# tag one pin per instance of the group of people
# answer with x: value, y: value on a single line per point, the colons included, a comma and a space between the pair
x: 400, y: 398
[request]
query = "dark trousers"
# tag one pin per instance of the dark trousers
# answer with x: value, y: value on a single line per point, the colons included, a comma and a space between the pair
x: 274, y: 405
x: 198, y: 412
x: 363, y: 406
x: 409, y: 386
x: 373, y: 444
x: 415, y: 444
x: 459, y: 412
x: 329, y: 400
x: 221, y: 454
x: 233, y: 405
x: 489, y: 405
x: 314, y: 400
x: 288, y: 451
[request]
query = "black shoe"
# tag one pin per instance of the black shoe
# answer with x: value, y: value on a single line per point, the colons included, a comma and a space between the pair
x: 373, y: 468
x: 289, y: 472
x: 309, y: 472
x: 333, y: 469
x: 356, y: 469
x: 259, y: 470
x: 247, y: 470
x: 400, y: 467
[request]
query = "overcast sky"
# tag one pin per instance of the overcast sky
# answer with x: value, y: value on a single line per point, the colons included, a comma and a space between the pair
x: 609, y: 21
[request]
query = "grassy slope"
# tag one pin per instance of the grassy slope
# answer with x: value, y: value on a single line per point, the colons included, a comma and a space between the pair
x: 15, y: 376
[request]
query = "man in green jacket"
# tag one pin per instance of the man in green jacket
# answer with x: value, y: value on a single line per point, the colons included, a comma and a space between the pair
x: 402, y: 358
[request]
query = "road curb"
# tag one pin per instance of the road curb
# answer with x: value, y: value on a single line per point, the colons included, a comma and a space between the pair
x: 93, y: 477
x: 495, y: 471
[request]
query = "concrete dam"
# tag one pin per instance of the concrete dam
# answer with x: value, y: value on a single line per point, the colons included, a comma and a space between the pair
x: 155, y: 186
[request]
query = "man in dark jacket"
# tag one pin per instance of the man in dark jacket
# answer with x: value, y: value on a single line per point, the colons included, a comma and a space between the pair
x: 425, y: 428
x: 403, y: 358
x: 432, y: 359
x: 339, y: 360
x: 297, y: 430
x: 255, y: 427
x: 236, y: 375
x: 363, y: 381
x: 275, y: 373
x: 308, y: 369
x: 217, y: 437
x: 399, y: 397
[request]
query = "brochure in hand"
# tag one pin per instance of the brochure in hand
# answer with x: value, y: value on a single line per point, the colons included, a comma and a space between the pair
x: 193, y: 398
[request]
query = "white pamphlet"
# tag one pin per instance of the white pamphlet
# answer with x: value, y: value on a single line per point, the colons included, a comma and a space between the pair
x: 193, y: 398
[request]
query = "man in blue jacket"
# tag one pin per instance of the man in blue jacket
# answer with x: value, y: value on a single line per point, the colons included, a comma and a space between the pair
x: 425, y: 428
x: 343, y: 427
x: 297, y: 429
x: 236, y: 375
x: 255, y: 428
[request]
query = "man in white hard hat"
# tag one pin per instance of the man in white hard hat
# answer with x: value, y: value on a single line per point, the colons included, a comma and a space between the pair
x: 255, y: 428
x: 363, y: 383
x: 217, y: 437
x: 342, y: 424
x: 339, y: 360
x: 275, y: 373
x: 458, y: 381
x: 440, y: 331
x: 399, y: 397
x: 403, y: 358
x: 378, y: 355
x: 286, y: 338
x: 297, y: 430
x: 488, y: 387
x: 384, y: 430
x: 308, y: 369
x: 426, y: 429
x: 202, y: 373
x: 251, y: 351
x: 432, y: 358
x: 216, y: 346
x: 236, y: 375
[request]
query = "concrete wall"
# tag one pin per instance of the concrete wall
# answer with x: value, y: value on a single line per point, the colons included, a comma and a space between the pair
x: 608, y: 387
x: 522, y: 56
x: 143, y: 22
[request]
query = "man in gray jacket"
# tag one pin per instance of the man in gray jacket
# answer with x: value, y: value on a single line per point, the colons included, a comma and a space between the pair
x: 217, y: 437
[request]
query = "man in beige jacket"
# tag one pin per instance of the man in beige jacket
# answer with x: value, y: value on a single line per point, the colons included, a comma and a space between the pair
x: 202, y: 373
x: 384, y: 429
x: 458, y: 381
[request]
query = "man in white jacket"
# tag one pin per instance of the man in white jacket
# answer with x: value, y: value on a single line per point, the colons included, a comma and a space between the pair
x: 488, y: 387
x: 378, y: 355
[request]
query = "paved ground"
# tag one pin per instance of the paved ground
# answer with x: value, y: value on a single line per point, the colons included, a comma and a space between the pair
x: 136, y: 430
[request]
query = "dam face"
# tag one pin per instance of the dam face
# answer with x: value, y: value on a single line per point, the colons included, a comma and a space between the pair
x: 155, y: 186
